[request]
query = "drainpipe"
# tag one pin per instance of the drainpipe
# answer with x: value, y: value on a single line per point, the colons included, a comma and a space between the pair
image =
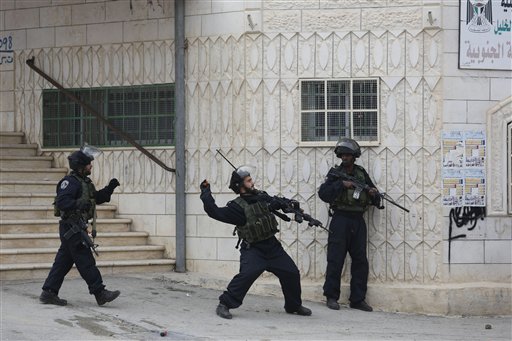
x: 179, y: 129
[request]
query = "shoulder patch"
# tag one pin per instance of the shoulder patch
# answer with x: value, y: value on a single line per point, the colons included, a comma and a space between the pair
x: 64, y: 184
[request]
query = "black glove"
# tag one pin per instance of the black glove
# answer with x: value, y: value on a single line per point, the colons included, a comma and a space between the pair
x: 83, y: 205
x: 93, y: 234
x: 113, y: 184
x: 332, y: 175
x: 204, y: 185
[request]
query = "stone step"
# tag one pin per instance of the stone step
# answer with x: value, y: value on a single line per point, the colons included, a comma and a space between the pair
x: 18, y: 199
x: 46, y: 212
x: 31, y: 226
x: 54, y: 174
x: 40, y: 240
x: 11, y: 137
x: 26, y: 186
x: 18, y: 149
x: 106, y: 253
x: 40, y: 270
x: 27, y: 162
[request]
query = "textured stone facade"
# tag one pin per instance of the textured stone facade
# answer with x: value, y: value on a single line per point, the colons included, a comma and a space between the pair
x: 243, y: 98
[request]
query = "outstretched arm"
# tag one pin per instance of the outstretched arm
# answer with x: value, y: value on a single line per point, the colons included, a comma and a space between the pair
x: 230, y: 214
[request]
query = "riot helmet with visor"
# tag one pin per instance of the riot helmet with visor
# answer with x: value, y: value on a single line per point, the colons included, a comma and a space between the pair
x: 346, y: 145
x: 237, y: 178
x: 83, y: 157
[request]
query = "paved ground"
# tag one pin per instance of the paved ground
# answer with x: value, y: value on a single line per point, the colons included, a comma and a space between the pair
x: 152, y: 303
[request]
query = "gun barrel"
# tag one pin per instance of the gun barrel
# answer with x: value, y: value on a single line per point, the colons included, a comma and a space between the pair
x: 383, y: 196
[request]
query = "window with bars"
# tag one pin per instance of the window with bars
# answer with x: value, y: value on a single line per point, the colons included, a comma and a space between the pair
x: 336, y: 108
x: 144, y: 112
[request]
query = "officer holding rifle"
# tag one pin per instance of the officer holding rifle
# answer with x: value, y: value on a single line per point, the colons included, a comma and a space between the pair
x: 75, y: 204
x: 348, y: 200
x: 252, y: 214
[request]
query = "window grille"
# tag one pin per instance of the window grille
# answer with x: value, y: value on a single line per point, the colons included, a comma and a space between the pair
x: 336, y: 108
x: 144, y: 112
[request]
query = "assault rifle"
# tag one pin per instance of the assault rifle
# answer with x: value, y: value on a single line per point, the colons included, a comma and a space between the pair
x: 291, y: 206
x: 86, y: 240
x: 361, y: 186
x: 287, y: 206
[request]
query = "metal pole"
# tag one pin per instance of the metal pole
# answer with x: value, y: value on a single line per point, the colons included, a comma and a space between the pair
x: 179, y: 43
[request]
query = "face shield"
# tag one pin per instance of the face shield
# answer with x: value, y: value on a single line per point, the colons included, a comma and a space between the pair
x: 244, y: 171
x: 238, y: 176
x: 91, y: 151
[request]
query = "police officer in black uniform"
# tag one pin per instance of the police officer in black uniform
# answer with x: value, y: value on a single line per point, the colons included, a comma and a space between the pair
x: 260, y: 250
x: 348, y: 228
x: 75, y: 203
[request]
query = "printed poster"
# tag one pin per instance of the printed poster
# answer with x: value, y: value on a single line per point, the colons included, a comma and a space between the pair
x: 485, y: 35
x: 463, y: 171
x: 453, y: 187
x: 453, y: 149
x: 474, y: 187
x: 474, y: 149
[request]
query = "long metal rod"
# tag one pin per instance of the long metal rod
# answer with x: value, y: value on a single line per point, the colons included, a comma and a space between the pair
x: 179, y: 43
x: 92, y: 111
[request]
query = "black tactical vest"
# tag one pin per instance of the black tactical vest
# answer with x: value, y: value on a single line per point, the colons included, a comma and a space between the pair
x: 88, y: 193
x: 260, y: 222
x: 346, y: 201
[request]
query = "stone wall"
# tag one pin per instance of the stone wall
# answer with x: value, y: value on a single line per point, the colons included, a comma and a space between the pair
x: 242, y: 98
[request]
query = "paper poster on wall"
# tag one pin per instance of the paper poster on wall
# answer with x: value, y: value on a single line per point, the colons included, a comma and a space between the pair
x: 474, y: 149
x: 463, y: 172
x: 453, y: 149
x: 474, y: 187
x: 485, y: 37
x: 453, y: 187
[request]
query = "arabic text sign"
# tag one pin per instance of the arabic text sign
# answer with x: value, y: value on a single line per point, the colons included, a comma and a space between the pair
x: 6, y: 50
x: 485, y: 40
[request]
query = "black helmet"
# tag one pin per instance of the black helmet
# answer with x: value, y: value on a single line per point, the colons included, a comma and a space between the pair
x: 237, y: 178
x: 83, y: 157
x: 347, y: 146
x: 79, y: 159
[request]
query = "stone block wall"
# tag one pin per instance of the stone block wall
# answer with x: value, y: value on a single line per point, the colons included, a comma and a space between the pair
x: 242, y: 98
x: 478, y: 100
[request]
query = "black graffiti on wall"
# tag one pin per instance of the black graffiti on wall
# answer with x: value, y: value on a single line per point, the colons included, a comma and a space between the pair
x: 462, y: 216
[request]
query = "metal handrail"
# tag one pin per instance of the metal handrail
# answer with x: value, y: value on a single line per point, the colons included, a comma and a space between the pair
x: 88, y: 108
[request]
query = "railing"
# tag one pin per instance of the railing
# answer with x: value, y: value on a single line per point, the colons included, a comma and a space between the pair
x: 88, y: 108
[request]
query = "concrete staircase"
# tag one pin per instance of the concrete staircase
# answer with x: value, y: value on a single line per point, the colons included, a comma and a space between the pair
x: 29, y: 236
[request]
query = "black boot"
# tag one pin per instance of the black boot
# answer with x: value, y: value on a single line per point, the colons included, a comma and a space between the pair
x: 361, y: 305
x: 332, y: 304
x: 302, y: 311
x: 49, y: 297
x: 223, y: 311
x: 105, y: 296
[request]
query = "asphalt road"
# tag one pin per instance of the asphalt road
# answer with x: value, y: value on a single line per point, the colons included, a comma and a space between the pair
x: 170, y: 303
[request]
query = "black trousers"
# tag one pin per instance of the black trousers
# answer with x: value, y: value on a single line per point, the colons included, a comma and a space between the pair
x: 348, y: 235
x: 267, y: 255
x: 71, y: 251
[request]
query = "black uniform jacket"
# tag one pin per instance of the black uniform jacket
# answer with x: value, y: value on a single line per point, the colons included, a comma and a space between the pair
x: 332, y: 187
x: 69, y: 192
x: 232, y: 213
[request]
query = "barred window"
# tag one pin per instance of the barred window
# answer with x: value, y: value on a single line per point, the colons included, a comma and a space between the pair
x: 145, y: 112
x: 336, y: 108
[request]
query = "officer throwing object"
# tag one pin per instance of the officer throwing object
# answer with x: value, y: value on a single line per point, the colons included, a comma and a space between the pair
x: 260, y: 250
